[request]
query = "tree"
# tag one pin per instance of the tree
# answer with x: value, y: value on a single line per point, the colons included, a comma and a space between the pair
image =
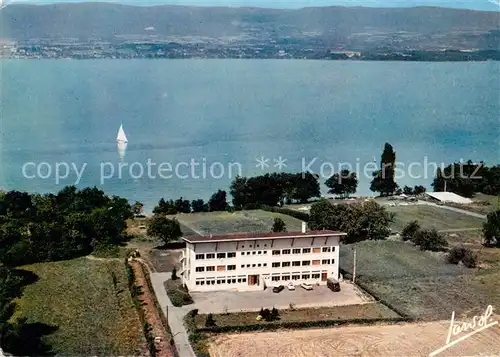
x: 491, y: 229
x: 183, y: 206
x: 342, y: 184
x: 210, y: 322
x: 418, y: 190
x: 464, y: 178
x: 383, y: 180
x: 218, y: 201
x: 137, y: 208
x: 430, y: 239
x: 240, y: 192
x: 279, y: 225
x: 324, y: 215
x: 167, y: 230
x: 199, y: 206
x: 366, y: 221
x: 174, y: 274
x: 407, y: 190
x: 410, y: 230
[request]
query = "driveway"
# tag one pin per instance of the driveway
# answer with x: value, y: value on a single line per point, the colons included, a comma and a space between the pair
x: 175, y: 315
x: 231, y: 301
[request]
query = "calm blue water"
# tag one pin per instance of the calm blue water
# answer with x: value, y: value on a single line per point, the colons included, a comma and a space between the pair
x: 234, y: 111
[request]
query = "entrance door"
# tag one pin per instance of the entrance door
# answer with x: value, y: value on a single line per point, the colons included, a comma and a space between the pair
x: 253, y: 280
x: 324, y: 276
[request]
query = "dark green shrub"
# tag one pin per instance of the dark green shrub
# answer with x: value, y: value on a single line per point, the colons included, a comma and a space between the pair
x: 210, y: 322
x: 430, y: 239
x: 174, y: 274
x: 275, y: 315
x: 409, y: 231
x: 470, y: 259
x: 265, y: 313
x: 176, y: 300
x: 456, y: 255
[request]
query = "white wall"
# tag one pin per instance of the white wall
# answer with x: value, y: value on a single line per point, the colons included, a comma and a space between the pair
x: 248, y: 264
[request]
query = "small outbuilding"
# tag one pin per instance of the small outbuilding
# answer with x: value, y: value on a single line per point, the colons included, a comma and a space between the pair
x: 447, y: 197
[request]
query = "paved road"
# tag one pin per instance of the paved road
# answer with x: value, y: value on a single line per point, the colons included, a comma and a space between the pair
x: 175, y: 315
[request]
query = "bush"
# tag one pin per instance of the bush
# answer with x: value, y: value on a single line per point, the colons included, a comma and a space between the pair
x: 301, y: 324
x: 275, y: 315
x: 265, y: 313
x: 210, y: 322
x: 430, y: 239
x: 177, y: 293
x: 470, y: 259
x: 456, y: 255
x: 174, y: 274
x: 410, y: 230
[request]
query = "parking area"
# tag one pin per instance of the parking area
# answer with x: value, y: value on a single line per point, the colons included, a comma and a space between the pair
x: 233, y: 301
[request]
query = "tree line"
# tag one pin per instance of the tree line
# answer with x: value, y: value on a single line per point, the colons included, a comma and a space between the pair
x: 467, y: 178
x: 49, y: 227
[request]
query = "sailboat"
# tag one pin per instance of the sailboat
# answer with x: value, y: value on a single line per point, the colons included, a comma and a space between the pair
x: 121, y: 138
x: 121, y: 142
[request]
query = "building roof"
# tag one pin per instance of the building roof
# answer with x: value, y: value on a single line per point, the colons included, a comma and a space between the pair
x: 449, y: 197
x: 260, y: 236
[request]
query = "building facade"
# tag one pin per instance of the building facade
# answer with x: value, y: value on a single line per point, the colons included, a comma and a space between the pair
x: 248, y: 262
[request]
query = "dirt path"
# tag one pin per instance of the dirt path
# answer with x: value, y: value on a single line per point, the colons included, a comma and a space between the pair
x: 163, y: 348
x: 360, y: 341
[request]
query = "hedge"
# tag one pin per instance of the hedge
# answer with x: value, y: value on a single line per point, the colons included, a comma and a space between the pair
x: 158, y: 308
x: 135, y: 291
x: 300, y: 325
x: 197, y: 340
x: 289, y: 212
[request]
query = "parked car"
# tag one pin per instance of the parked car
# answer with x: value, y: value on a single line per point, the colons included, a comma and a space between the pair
x: 306, y: 286
x: 278, y: 289
x: 333, y: 284
x: 291, y: 286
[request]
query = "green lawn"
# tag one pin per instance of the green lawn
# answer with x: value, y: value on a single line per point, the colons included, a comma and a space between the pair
x: 240, y: 221
x: 92, y: 316
x: 432, y: 217
x: 419, y: 283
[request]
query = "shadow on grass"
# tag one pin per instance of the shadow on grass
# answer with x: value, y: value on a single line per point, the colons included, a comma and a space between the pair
x: 20, y: 337
x: 27, y: 339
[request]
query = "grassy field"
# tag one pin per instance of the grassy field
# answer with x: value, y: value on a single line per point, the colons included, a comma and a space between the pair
x: 364, y: 311
x: 432, y: 217
x: 241, y: 221
x: 421, y: 284
x: 93, y: 317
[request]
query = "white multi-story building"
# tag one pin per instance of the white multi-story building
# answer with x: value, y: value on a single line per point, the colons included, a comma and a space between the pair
x: 249, y: 261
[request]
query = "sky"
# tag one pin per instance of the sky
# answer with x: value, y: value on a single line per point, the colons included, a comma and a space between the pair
x: 486, y: 5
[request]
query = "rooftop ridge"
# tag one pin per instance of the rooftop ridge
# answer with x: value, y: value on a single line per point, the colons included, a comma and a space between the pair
x: 260, y: 236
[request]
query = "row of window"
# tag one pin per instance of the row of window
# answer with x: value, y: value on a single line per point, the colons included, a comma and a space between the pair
x: 303, y: 250
x: 221, y: 280
x: 275, y: 252
x: 295, y: 277
x: 296, y: 263
x: 212, y: 268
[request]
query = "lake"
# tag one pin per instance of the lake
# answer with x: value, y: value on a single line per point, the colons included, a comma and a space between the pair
x: 192, y: 125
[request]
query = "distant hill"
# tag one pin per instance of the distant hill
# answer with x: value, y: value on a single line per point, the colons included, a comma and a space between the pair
x: 331, y: 26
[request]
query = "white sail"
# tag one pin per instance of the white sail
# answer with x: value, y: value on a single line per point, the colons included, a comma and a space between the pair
x: 121, y: 135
